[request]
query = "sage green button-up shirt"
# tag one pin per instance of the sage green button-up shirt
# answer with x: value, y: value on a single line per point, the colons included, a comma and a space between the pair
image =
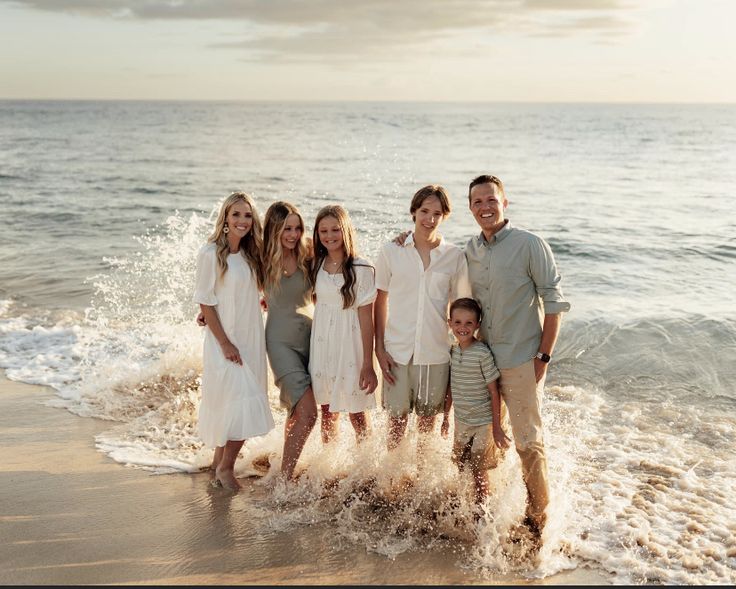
x: 515, y: 280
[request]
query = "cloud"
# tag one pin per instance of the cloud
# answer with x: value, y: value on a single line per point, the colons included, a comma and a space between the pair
x: 298, y: 30
x: 605, y: 27
x: 585, y: 5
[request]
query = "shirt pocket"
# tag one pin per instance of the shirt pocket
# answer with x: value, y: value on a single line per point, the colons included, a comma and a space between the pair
x: 439, y: 286
x: 511, y: 274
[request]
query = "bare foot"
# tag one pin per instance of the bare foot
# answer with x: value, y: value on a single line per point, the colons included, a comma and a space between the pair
x: 525, y: 540
x: 227, y: 479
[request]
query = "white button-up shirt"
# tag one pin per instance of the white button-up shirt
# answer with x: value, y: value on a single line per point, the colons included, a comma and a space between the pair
x: 418, y: 299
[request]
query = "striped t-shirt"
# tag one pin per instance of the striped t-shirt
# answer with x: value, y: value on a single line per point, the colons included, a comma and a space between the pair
x: 471, y: 370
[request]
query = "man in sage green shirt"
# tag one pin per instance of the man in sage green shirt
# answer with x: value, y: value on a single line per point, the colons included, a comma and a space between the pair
x: 514, y: 278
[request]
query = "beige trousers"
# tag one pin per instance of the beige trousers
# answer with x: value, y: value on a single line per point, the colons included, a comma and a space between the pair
x: 522, y: 397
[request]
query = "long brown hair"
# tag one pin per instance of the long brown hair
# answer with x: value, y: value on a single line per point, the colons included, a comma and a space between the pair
x: 349, y: 246
x: 250, y: 245
x: 273, y: 251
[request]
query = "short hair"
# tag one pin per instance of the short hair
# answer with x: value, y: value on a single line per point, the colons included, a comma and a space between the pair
x: 467, y: 304
x: 431, y: 190
x: 486, y: 179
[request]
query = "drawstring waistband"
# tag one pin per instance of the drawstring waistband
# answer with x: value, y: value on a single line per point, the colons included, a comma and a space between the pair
x: 426, y: 387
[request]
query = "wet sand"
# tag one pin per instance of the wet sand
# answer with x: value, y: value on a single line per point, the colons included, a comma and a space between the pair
x: 70, y: 515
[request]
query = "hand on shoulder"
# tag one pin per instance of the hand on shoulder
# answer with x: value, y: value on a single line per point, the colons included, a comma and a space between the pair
x: 401, y: 238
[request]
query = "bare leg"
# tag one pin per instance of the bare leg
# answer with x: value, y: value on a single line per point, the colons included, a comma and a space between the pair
x: 480, y: 477
x: 396, y: 430
x: 425, y: 425
x: 328, y: 424
x: 217, y: 457
x: 360, y: 425
x: 296, y: 431
x: 224, y: 472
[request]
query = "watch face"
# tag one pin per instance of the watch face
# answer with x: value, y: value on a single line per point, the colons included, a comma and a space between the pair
x: 543, y: 357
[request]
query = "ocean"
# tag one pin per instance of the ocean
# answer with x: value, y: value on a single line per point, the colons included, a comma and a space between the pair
x: 103, y: 206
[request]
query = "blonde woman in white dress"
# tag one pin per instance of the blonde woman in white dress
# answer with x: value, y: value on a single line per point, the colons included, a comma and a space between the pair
x: 341, y: 347
x: 234, y: 403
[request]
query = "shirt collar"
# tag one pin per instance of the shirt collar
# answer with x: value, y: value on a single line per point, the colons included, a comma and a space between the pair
x: 409, y: 241
x: 498, y: 236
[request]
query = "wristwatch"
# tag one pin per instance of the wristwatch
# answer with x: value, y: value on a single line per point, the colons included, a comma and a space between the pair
x: 543, y: 357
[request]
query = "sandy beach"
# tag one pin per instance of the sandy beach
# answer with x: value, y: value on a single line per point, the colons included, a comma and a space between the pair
x: 70, y: 515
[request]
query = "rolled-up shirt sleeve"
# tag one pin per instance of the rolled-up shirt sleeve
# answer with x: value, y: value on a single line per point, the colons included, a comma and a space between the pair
x: 204, y: 283
x: 546, y: 278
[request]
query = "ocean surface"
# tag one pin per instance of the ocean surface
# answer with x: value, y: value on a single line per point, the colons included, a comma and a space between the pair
x: 103, y: 206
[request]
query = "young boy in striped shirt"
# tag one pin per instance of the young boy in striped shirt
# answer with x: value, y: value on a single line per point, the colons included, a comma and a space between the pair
x: 479, y: 438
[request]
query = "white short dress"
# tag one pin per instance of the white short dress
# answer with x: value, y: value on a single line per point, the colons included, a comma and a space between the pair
x: 336, y: 347
x: 234, y: 402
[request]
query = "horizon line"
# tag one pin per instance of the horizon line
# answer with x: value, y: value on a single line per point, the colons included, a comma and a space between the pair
x: 364, y: 101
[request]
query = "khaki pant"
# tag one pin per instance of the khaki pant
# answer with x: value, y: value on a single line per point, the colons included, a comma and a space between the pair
x: 522, y: 397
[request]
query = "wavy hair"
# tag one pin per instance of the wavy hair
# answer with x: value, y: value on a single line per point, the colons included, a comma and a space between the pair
x: 349, y: 247
x: 250, y: 245
x: 273, y: 251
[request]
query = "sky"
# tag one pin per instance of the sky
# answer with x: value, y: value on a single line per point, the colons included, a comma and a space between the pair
x: 370, y: 50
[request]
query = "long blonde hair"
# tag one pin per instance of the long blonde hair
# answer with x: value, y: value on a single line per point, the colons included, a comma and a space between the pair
x: 273, y: 251
x: 250, y: 245
x: 349, y: 246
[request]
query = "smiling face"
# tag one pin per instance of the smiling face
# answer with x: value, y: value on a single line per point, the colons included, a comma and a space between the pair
x: 239, y: 219
x: 487, y: 203
x: 291, y: 234
x: 463, y: 323
x: 429, y: 216
x: 329, y: 234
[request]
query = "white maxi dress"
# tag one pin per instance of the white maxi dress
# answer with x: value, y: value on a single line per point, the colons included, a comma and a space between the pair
x: 234, y: 403
x: 336, y: 346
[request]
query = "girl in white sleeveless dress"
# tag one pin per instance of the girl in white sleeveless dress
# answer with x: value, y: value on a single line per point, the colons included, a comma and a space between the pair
x: 234, y: 403
x: 341, y: 347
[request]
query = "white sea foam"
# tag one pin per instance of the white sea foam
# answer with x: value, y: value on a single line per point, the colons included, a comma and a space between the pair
x: 640, y: 489
x: 38, y: 354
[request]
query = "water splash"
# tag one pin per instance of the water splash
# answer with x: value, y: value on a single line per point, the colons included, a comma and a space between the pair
x: 641, y: 485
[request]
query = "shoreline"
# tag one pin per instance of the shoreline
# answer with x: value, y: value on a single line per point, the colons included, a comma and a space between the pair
x: 71, y: 515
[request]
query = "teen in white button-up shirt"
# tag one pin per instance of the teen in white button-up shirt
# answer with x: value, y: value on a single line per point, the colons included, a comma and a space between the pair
x: 418, y: 299
x: 416, y: 282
